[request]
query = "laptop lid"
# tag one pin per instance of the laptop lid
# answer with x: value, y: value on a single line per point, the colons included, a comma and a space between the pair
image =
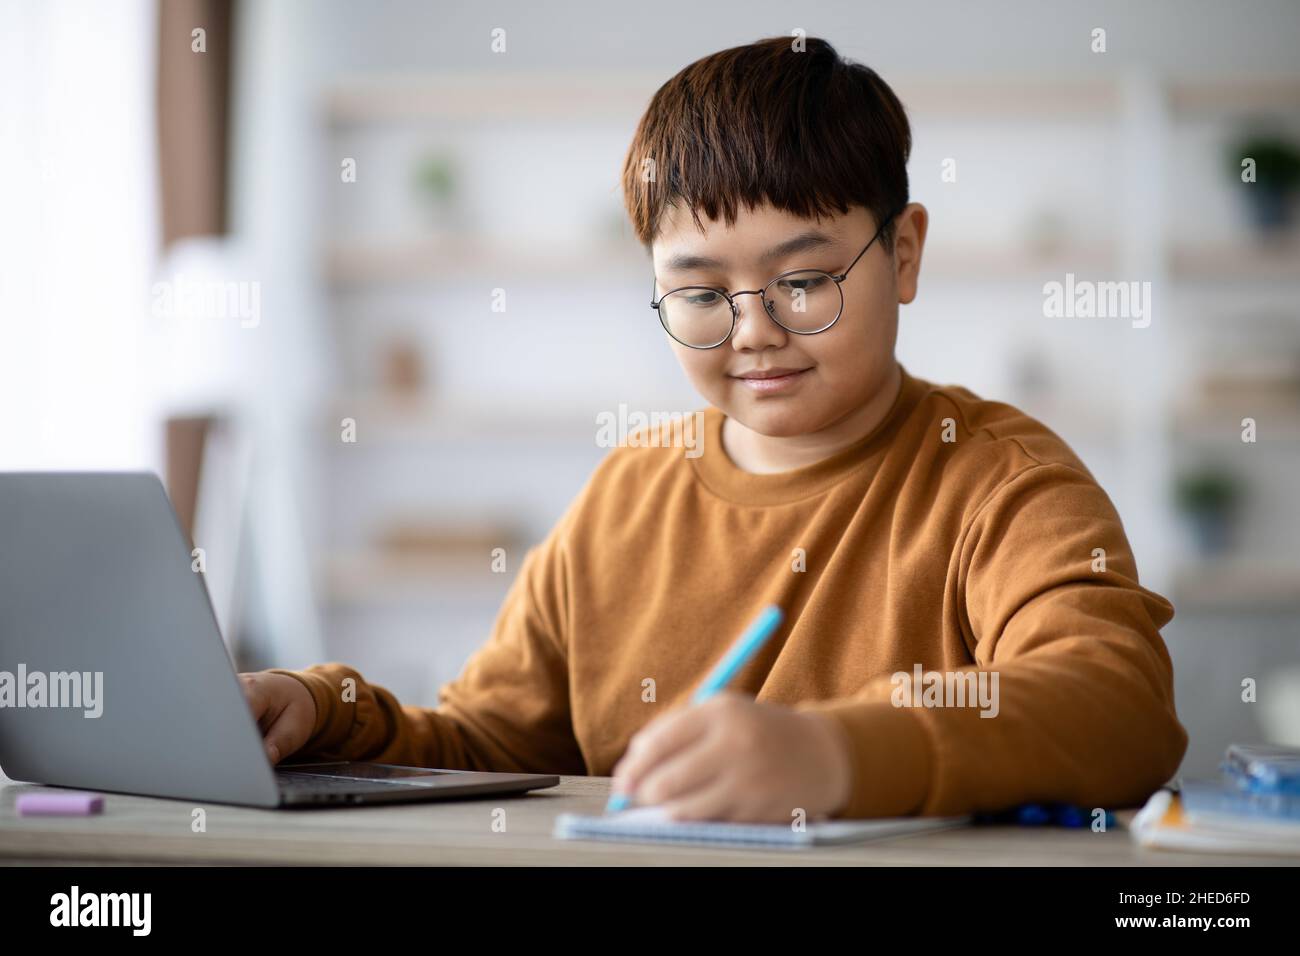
x: 113, y: 675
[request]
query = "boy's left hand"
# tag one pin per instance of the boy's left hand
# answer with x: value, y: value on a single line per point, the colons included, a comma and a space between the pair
x: 733, y: 758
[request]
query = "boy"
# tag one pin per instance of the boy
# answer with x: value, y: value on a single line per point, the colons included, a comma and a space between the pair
x: 951, y: 642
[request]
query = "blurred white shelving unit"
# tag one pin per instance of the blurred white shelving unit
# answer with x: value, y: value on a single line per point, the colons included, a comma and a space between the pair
x: 540, y: 155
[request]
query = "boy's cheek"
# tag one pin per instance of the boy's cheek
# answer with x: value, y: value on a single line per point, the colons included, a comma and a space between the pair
x: 705, y: 372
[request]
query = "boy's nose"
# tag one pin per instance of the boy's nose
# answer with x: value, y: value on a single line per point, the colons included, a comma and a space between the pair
x: 755, y: 329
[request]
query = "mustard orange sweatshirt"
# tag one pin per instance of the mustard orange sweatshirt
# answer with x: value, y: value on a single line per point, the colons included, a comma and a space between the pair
x: 959, y: 593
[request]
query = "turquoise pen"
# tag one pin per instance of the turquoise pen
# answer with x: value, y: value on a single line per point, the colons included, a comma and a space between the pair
x: 746, y: 646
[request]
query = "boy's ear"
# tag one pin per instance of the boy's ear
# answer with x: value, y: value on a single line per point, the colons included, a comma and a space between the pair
x: 909, y: 242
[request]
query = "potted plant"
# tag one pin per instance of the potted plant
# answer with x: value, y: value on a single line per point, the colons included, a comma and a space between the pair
x: 437, y: 185
x: 1208, y: 498
x: 1277, y: 174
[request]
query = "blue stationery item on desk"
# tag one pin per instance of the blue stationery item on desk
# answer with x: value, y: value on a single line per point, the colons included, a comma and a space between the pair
x: 1033, y: 815
x: 1263, y: 768
x: 746, y: 646
x: 1069, y: 816
x: 1045, y: 814
x: 1224, y: 800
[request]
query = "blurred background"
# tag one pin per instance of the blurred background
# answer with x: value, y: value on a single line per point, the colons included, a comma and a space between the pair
x: 263, y: 249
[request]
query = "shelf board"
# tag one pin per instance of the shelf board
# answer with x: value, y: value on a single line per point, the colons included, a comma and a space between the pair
x: 488, y: 96
x: 1007, y: 97
x: 385, y: 577
x: 624, y: 96
x: 1276, y: 421
x: 977, y: 262
x: 1250, y: 260
x: 1236, y: 95
x: 419, y: 418
x: 424, y: 260
x: 1233, y: 583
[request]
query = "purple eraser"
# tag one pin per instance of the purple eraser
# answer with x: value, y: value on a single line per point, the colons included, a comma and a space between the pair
x: 59, y: 804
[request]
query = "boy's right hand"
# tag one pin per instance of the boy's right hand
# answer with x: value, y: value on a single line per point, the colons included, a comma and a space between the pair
x: 284, y: 711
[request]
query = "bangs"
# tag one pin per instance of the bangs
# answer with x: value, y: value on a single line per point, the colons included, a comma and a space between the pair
x: 806, y: 131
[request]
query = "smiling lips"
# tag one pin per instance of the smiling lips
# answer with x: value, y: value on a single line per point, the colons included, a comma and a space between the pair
x: 769, y: 381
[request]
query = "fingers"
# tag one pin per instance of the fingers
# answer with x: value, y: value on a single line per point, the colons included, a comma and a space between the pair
x: 679, y: 732
x: 282, y: 738
x: 274, y: 717
x: 715, y: 801
x: 259, y: 701
x: 655, y: 743
x: 680, y: 779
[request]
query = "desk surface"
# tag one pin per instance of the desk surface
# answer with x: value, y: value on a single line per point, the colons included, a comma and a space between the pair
x: 145, y: 830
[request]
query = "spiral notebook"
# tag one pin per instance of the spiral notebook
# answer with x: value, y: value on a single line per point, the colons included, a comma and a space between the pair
x: 649, y: 825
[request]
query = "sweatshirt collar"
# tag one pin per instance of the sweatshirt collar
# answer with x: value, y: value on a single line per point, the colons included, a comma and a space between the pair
x: 715, y: 469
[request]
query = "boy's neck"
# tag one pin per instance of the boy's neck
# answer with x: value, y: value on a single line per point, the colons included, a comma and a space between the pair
x: 763, y: 455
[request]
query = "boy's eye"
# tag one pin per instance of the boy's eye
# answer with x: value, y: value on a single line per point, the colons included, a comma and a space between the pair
x: 702, y: 298
x: 804, y: 283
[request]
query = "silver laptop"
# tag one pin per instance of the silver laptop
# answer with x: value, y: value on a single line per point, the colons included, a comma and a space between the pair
x: 114, y: 676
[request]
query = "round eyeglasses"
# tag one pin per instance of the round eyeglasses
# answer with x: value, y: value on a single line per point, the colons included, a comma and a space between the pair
x: 801, y: 301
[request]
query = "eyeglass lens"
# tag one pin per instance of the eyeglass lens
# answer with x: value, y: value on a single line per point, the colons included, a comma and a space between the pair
x: 802, y: 302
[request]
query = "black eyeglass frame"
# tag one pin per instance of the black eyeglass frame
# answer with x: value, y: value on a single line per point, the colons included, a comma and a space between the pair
x: 768, y: 305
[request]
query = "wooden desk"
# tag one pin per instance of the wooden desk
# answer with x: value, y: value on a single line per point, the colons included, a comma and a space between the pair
x: 144, y: 830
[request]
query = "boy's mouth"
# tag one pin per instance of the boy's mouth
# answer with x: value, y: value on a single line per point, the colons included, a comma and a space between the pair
x: 767, y: 381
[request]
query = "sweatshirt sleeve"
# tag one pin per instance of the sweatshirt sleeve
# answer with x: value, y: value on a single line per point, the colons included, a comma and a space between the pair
x: 507, y: 711
x: 1084, y: 705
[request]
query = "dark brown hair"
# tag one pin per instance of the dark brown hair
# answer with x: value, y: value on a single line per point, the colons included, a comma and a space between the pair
x: 809, y: 132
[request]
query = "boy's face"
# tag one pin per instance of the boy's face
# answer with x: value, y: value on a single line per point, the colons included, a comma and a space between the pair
x: 828, y: 375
